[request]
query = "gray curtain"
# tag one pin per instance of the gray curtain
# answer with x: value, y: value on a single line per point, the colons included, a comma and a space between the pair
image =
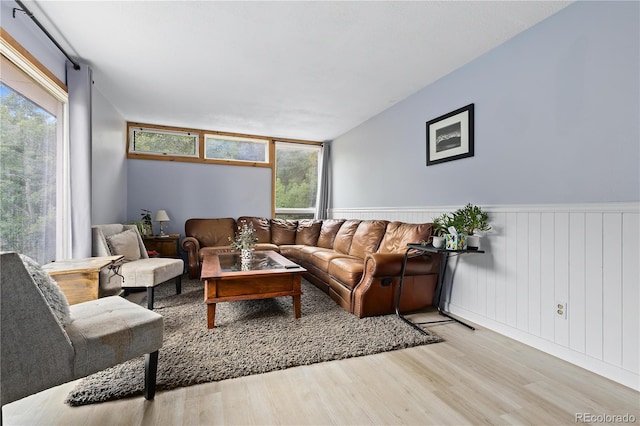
x: 324, y: 190
x: 79, y: 85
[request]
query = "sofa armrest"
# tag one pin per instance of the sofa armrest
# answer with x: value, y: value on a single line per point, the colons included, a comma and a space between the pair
x: 192, y: 246
x: 377, y: 291
x: 390, y: 265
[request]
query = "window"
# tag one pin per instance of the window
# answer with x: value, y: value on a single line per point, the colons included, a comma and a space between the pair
x: 296, y: 180
x: 222, y: 147
x: 33, y: 175
x: 163, y: 142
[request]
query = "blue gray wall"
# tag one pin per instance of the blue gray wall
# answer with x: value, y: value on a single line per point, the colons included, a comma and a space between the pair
x: 556, y: 121
x: 191, y: 190
x: 108, y: 162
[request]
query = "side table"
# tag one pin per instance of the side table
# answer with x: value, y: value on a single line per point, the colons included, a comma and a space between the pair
x: 166, y: 246
x: 416, y: 250
x: 79, y: 279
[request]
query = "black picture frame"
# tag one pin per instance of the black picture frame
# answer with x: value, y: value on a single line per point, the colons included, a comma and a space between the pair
x: 450, y: 136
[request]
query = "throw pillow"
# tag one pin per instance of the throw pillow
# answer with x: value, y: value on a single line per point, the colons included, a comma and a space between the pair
x: 125, y: 243
x: 283, y: 231
x: 308, y: 232
x: 49, y: 289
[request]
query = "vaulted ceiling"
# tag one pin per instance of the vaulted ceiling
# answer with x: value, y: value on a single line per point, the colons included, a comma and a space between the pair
x: 305, y: 70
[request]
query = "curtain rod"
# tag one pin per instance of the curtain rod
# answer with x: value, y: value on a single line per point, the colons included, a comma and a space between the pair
x: 23, y: 8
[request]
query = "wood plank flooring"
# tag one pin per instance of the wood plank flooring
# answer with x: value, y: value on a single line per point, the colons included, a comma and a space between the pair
x: 475, y: 377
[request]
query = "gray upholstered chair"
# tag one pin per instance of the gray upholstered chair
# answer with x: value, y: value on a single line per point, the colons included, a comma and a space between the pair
x: 44, y: 342
x: 138, y: 269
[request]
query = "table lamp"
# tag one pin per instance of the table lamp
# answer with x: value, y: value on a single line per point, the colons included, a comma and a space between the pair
x: 161, y: 216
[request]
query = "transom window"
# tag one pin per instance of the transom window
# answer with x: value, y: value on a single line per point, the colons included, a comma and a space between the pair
x: 233, y: 148
x: 163, y: 142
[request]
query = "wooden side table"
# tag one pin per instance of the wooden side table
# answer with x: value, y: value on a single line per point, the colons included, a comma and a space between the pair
x: 79, y: 279
x: 166, y: 246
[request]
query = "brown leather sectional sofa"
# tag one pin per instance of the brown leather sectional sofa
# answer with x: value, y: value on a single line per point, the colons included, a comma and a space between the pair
x: 357, y: 262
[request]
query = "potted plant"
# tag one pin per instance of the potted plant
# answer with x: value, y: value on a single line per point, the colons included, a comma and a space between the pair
x: 440, y: 227
x: 470, y: 219
x: 147, y: 227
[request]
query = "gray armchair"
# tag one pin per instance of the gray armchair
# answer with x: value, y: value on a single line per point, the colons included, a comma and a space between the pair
x: 138, y: 270
x: 44, y: 342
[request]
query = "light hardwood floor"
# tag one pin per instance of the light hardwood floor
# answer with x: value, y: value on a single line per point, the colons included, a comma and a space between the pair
x: 474, y: 377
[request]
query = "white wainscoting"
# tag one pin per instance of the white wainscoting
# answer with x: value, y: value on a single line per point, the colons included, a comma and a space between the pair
x: 584, y: 255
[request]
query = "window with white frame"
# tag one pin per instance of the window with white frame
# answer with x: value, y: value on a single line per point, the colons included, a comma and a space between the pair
x: 234, y: 148
x: 34, y: 213
x: 297, y: 178
x: 163, y: 142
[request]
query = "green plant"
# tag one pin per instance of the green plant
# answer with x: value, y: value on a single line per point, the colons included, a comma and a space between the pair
x: 146, y: 227
x: 471, y: 218
x: 442, y: 223
x: 146, y: 216
x: 245, y: 237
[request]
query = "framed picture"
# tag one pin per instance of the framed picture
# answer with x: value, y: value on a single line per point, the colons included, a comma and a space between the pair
x: 450, y: 137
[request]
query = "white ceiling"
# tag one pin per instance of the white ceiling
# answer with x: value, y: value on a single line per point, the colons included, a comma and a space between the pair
x: 304, y: 70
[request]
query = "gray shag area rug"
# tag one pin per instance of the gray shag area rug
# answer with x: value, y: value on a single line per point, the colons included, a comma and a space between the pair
x: 250, y: 337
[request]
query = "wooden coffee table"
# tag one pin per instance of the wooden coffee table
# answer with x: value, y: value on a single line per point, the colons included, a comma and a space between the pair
x: 268, y: 275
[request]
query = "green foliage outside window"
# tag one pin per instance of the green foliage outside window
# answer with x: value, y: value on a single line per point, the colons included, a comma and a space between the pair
x: 164, y: 143
x: 232, y: 149
x: 27, y: 177
x: 296, y: 177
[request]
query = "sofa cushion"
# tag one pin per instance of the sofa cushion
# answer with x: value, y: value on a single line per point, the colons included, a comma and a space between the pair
x: 150, y: 272
x: 342, y: 242
x: 211, y: 232
x: 399, y: 234
x: 307, y: 251
x: 367, y: 237
x: 321, y: 258
x: 328, y: 232
x: 308, y: 232
x: 204, y: 251
x: 111, y: 330
x: 291, y: 251
x: 262, y: 226
x: 283, y: 231
x: 125, y: 243
x: 347, y: 270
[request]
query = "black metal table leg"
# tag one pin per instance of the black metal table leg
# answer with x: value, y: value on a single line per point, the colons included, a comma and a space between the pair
x: 444, y: 259
x: 402, y: 271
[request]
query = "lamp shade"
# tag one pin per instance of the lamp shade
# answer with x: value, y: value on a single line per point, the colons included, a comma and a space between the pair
x: 161, y: 216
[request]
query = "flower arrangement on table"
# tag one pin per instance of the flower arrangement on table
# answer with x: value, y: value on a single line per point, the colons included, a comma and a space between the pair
x: 245, y: 237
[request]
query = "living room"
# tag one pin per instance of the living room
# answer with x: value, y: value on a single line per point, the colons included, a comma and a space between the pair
x: 564, y: 211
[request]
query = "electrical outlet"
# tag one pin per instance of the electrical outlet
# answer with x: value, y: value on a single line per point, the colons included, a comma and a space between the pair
x: 561, y: 309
